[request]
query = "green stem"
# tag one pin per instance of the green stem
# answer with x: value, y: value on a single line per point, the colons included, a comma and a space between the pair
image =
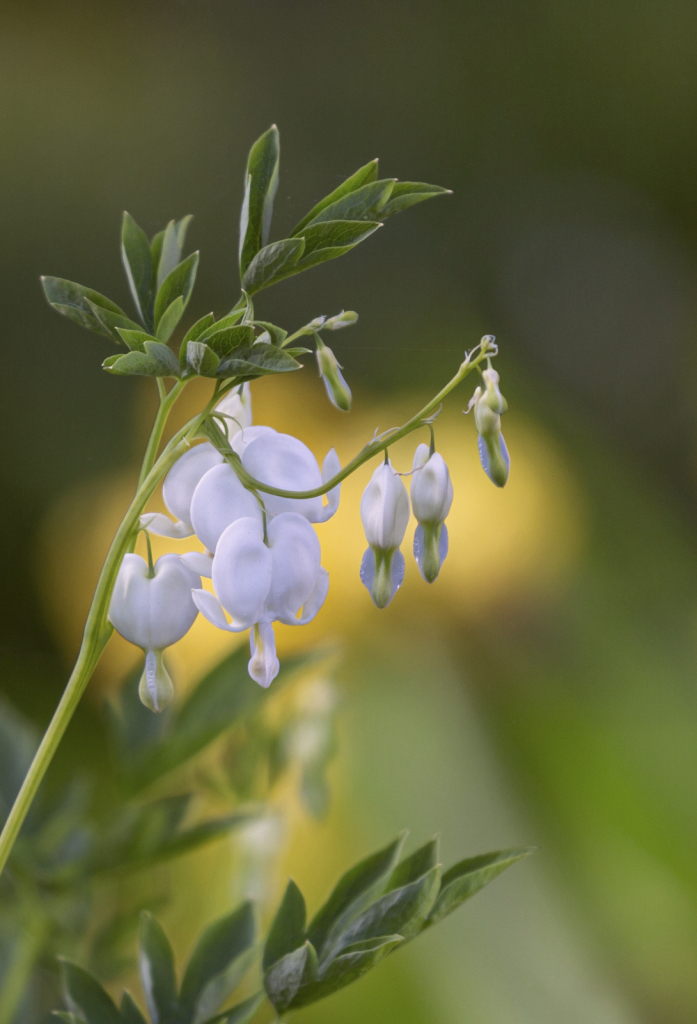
x: 97, y: 628
x: 167, y: 400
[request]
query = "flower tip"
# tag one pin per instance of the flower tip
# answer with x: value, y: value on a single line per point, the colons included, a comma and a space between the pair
x: 155, y: 688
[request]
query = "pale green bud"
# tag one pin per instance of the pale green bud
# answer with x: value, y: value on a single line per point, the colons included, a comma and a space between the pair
x: 338, y: 391
x: 343, y: 319
x: 492, y: 396
x: 316, y: 323
x: 155, y: 688
x: 488, y: 407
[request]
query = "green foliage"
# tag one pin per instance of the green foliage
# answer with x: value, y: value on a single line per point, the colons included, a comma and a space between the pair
x: 261, y: 182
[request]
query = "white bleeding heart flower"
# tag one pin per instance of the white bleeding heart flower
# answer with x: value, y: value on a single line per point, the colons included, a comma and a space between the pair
x: 283, y: 461
x: 178, y: 490
x: 241, y: 441
x: 219, y: 499
x: 385, y: 514
x: 258, y: 582
x: 431, y: 498
x: 154, y: 612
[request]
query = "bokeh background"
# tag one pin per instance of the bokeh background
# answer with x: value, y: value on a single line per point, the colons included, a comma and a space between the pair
x: 544, y: 691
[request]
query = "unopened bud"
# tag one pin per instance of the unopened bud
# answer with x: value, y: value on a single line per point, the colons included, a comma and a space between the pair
x: 315, y: 324
x: 488, y: 408
x: 492, y: 396
x: 342, y: 319
x: 155, y: 689
x: 338, y: 391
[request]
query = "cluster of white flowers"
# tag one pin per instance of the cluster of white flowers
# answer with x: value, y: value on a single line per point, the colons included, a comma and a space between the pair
x: 261, y: 551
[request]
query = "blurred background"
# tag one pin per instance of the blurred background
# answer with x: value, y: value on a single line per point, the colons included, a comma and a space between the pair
x: 544, y: 691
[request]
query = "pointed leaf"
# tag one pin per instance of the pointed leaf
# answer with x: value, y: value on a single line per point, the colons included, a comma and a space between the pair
x: 354, y: 961
x: 170, y: 254
x: 71, y: 300
x: 193, y: 334
x: 272, y: 263
x: 110, y: 321
x: 206, y: 832
x: 135, y: 340
x: 361, y: 885
x: 179, y: 281
x: 261, y: 182
x: 156, y: 962
x: 362, y: 176
x: 221, y: 943
x: 288, y: 929
x: 239, y: 1014
x: 130, y: 1014
x: 85, y: 996
x: 69, y: 1018
x: 225, y: 340
x: 276, y: 335
x: 365, y: 203
x: 465, y: 879
x: 170, y: 319
x: 201, y: 359
x: 258, y: 360
x: 137, y: 262
x: 408, y: 193
x: 399, y: 912
x: 220, y: 988
x: 332, y: 234
x: 414, y: 866
x: 284, y: 979
x: 155, y: 361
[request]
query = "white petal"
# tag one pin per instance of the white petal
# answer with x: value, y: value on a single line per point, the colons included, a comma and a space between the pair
x: 242, y: 571
x: 244, y: 438
x: 162, y: 526
x: 330, y: 467
x: 263, y: 666
x: 285, y: 462
x: 420, y: 547
x: 385, y: 508
x: 314, y: 601
x: 211, y: 609
x: 199, y: 562
x: 431, y: 489
x: 219, y: 500
x: 295, y: 554
x: 396, y: 574
x: 180, y: 483
x: 421, y: 456
x: 237, y: 407
x: 153, y: 612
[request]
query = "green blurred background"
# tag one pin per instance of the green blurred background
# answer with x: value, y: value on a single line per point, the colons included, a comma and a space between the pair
x: 566, y: 718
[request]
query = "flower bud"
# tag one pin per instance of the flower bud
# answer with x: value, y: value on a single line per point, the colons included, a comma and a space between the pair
x: 338, y: 391
x: 318, y: 322
x: 488, y: 408
x: 431, y: 498
x: 385, y: 514
x: 343, y: 319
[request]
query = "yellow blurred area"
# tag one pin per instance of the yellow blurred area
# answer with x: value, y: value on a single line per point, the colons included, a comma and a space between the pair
x: 503, y: 543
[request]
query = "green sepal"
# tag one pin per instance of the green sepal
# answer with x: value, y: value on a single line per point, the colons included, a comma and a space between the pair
x: 355, y: 890
x: 111, y: 321
x: 157, y: 976
x: 276, y: 334
x: 272, y: 263
x: 179, y: 281
x: 259, y: 360
x: 362, y: 176
x: 130, y: 1014
x: 261, y: 182
x: 221, y: 944
x: 85, y: 996
x: 288, y: 929
x: 170, y: 319
x: 364, y: 203
x: 293, y: 971
x: 408, y: 193
x: 135, y: 340
x: 353, y: 962
x: 72, y: 300
x: 156, y: 361
x: 201, y: 359
x: 415, y: 865
x: 466, y: 878
x: 137, y: 262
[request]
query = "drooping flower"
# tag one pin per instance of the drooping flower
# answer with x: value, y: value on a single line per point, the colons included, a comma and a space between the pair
x: 258, y: 582
x: 284, y: 462
x: 431, y: 498
x: 489, y: 405
x: 385, y: 514
x: 338, y: 391
x: 178, y: 490
x: 153, y: 612
x: 236, y: 407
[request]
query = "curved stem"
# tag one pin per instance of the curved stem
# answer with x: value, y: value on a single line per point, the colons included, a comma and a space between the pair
x: 167, y: 400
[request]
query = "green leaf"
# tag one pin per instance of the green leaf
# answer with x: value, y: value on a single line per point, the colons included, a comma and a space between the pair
x: 156, y: 361
x: 414, y: 866
x: 201, y: 359
x: 70, y: 1018
x: 225, y: 340
x: 170, y: 319
x: 172, y: 245
x: 72, y: 300
x: 261, y: 182
x: 276, y: 334
x: 321, y: 253
x: 354, y: 961
x: 220, y: 988
x: 365, y: 203
x: 465, y: 879
x: 130, y: 1014
x: 179, y: 281
x: 408, y: 193
x: 284, y: 979
x: 272, y: 263
x: 198, y: 835
x: 288, y: 929
x: 258, y: 360
x: 111, y: 321
x: 156, y: 962
x: 222, y: 325
x: 85, y: 996
x: 137, y: 262
x: 135, y: 340
x: 399, y: 912
x: 332, y: 234
x: 360, y: 886
x: 239, y: 1014
x: 221, y: 943
x: 295, y: 352
x: 199, y: 328
x: 362, y: 176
